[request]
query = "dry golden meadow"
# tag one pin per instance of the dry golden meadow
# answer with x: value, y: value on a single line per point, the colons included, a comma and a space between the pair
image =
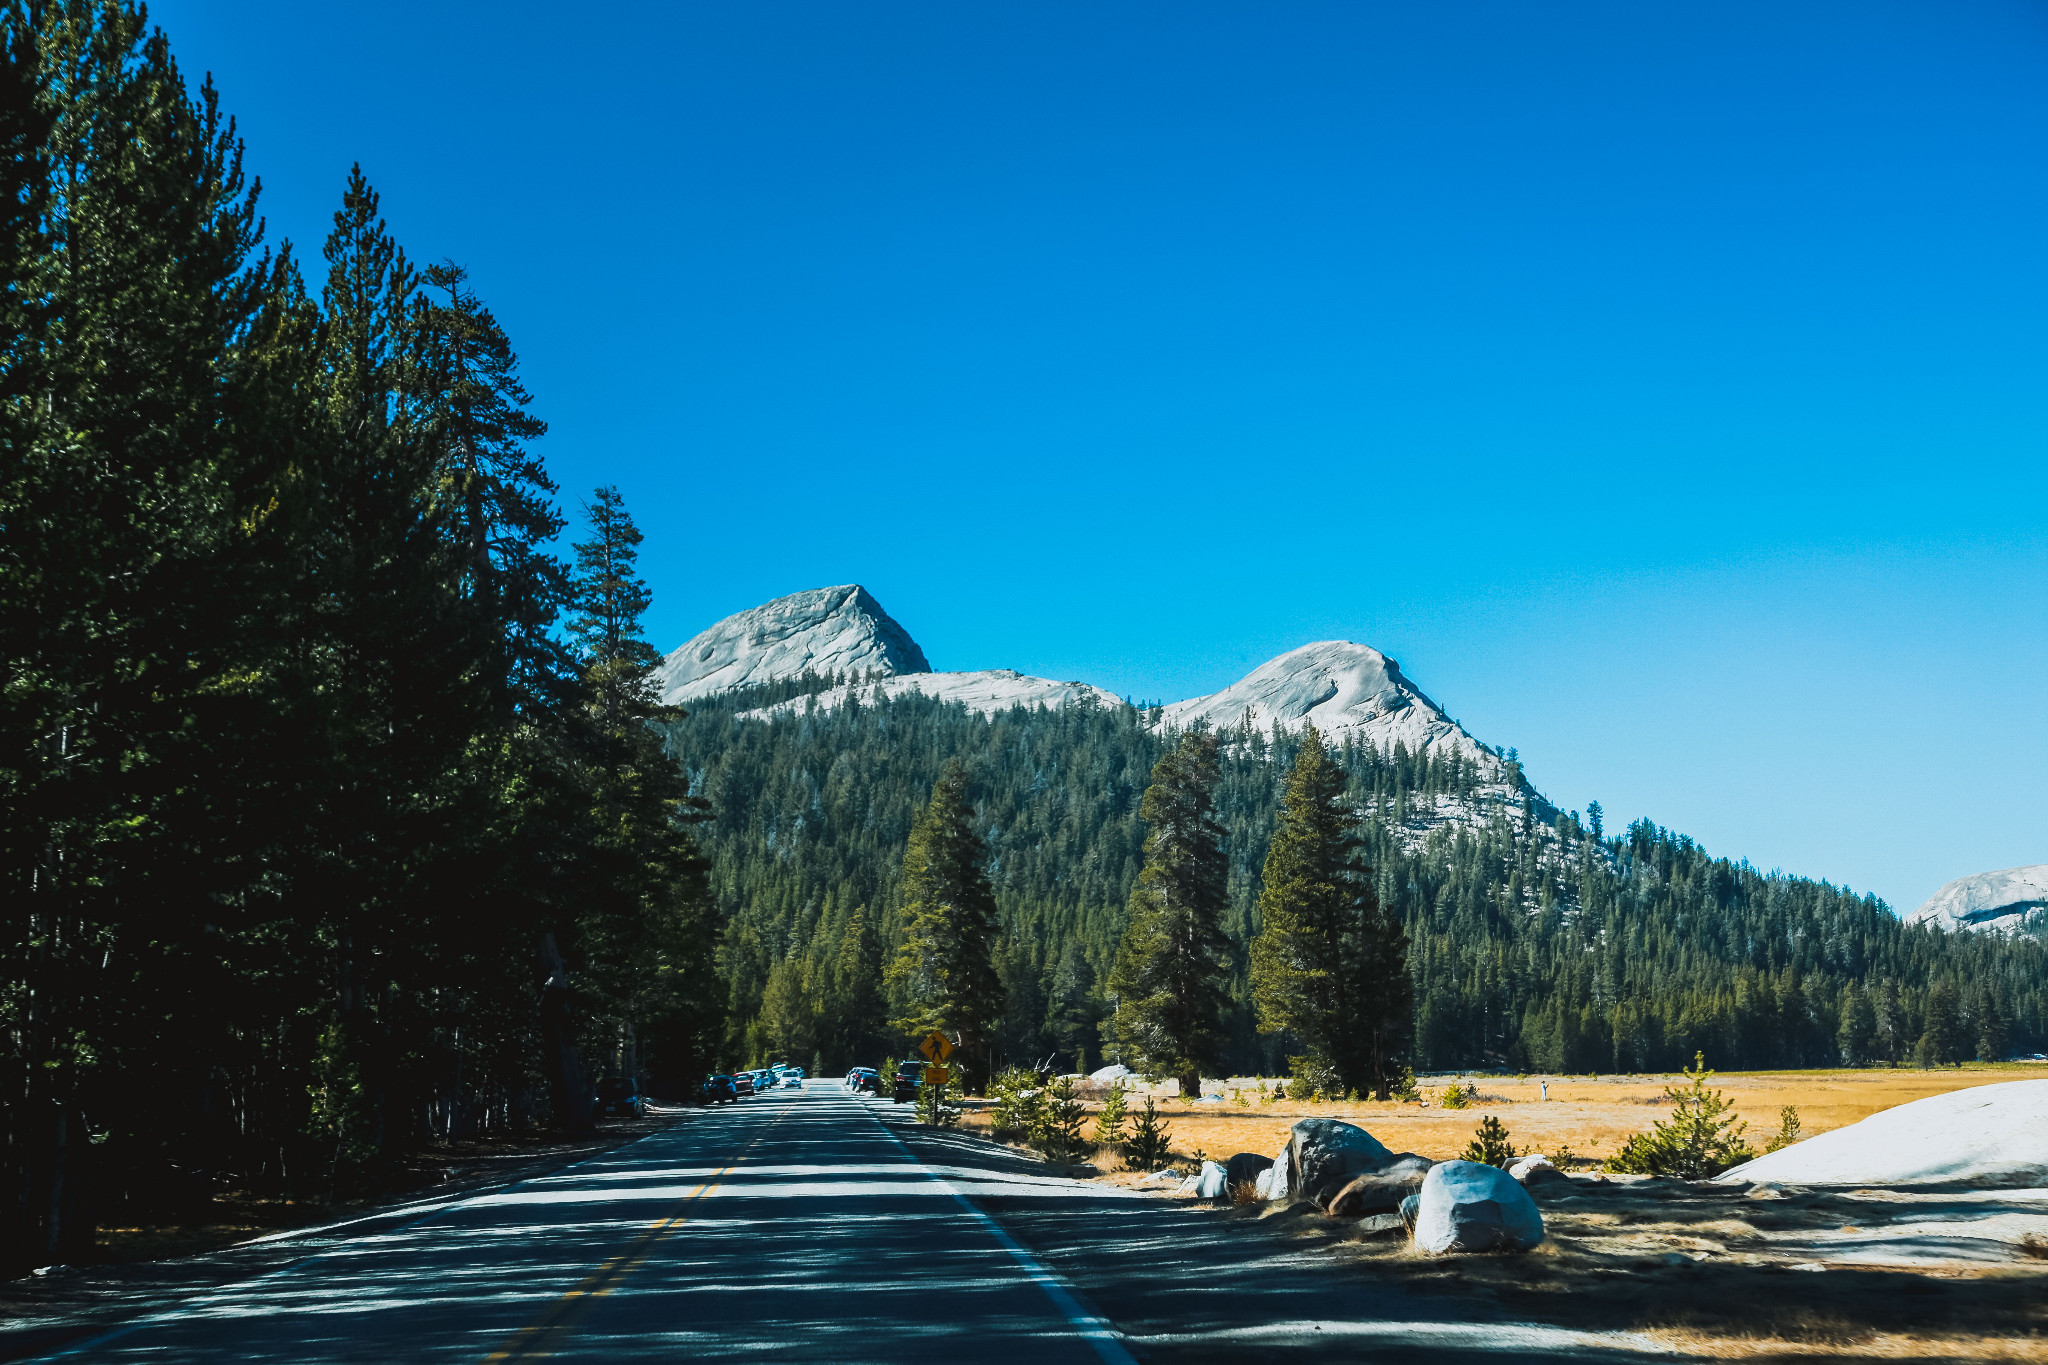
x: 1590, y: 1115
x: 1697, y: 1270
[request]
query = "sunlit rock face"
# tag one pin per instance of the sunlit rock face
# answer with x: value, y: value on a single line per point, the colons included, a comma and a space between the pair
x: 825, y: 630
x: 987, y: 691
x: 1345, y: 690
x: 1997, y: 902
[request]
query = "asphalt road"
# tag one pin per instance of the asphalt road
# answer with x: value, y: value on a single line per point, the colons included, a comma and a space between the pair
x: 815, y: 1225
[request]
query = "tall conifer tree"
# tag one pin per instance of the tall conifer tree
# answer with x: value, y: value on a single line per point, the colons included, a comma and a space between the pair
x: 944, y: 975
x: 1171, y: 974
x: 1328, y: 965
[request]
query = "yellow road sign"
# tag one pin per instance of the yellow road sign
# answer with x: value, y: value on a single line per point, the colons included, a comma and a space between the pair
x: 936, y: 1075
x: 935, y: 1047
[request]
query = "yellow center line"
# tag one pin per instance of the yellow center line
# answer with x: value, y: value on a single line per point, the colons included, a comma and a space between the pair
x: 538, y: 1338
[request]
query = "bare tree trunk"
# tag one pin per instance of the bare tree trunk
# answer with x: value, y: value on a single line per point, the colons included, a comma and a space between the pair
x: 568, y: 1083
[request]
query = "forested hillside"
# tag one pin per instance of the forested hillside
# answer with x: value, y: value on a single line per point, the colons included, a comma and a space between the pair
x: 320, y: 836
x: 1535, y: 942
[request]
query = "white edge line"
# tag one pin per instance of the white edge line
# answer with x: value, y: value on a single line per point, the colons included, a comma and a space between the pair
x: 1092, y: 1327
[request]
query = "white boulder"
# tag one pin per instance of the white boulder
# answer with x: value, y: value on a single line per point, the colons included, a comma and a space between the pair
x: 1275, y: 1184
x: 1109, y: 1073
x: 1987, y: 1134
x: 1208, y: 1183
x: 1521, y: 1168
x: 1466, y: 1206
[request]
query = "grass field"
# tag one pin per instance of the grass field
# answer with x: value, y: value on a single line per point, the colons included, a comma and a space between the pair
x: 1590, y: 1115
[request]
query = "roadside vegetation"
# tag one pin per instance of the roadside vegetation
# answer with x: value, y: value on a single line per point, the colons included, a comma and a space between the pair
x: 332, y: 825
x: 1586, y: 1121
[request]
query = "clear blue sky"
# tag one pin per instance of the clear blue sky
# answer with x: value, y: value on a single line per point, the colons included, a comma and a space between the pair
x: 1666, y: 386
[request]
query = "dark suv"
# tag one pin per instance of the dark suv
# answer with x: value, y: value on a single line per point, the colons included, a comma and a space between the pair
x: 908, y: 1077
x: 620, y: 1095
x: 717, y: 1090
x: 742, y: 1083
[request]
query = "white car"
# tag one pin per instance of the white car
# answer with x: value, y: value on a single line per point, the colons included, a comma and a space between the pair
x: 793, y: 1075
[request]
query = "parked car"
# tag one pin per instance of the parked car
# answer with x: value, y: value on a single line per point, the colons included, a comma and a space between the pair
x: 864, y: 1080
x: 742, y: 1083
x: 717, y: 1089
x: 620, y: 1095
x: 909, y: 1076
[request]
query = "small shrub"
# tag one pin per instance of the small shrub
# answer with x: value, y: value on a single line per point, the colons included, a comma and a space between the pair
x: 1017, y: 1096
x: 1245, y: 1192
x: 1313, y: 1079
x: 1788, y: 1129
x: 1489, y: 1145
x: 1109, y: 1123
x: 1563, y: 1157
x: 1057, y: 1134
x: 1147, y: 1146
x: 1405, y: 1088
x: 1351, y: 1095
x: 1702, y: 1138
x: 1455, y: 1096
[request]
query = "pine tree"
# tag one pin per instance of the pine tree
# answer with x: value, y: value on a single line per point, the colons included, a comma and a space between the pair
x: 1172, y: 969
x: 1329, y: 964
x: 1991, y: 1026
x: 857, y: 1010
x: 1489, y: 1145
x: 1858, y: 1025
x: 1943, y: 1042
x: 1072, y: 1012
x: 642, y: 923
x: 476, y: 411
x: 609, y: 598
x: 944, y: 974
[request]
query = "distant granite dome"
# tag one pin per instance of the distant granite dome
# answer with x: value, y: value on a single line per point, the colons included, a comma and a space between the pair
x: 2001, y: 902
x: 1345, y: 690
x: 825, y: 630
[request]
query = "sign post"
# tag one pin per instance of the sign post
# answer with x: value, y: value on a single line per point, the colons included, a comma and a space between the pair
x: 936, y: 1050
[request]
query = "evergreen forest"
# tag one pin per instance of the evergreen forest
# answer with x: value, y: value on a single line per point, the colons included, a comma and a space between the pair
x: 1535, y: 942
x: 331, y: 818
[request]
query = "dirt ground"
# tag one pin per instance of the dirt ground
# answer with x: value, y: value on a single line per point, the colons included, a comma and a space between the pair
x: 1593, y: 1116
x: 1711, y: 1271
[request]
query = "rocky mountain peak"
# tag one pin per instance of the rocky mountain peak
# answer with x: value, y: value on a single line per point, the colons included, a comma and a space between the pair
x: 1345, y: 690
x: 2007, y: 901
x: 824, y: 630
